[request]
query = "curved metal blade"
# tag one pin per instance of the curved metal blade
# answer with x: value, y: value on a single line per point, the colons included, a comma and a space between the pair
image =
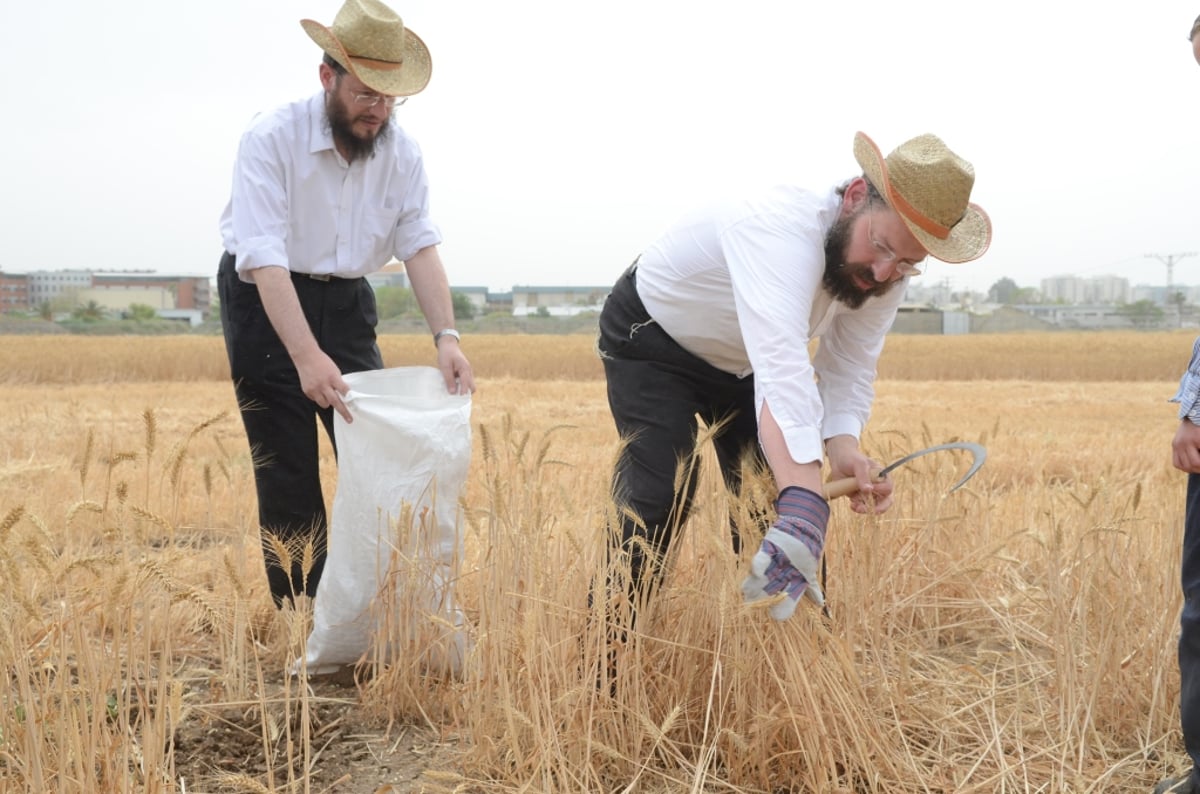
x: 977, y: 450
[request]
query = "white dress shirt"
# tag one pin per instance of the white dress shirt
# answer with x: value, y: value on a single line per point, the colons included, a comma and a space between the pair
x: 296, y: 202
x: 739, y: 286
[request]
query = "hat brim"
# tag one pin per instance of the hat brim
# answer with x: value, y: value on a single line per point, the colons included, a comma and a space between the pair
x: 969, y: 239
x: 408, y: 79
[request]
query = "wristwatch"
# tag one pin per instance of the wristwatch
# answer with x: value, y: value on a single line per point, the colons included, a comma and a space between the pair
x: 445, y: 332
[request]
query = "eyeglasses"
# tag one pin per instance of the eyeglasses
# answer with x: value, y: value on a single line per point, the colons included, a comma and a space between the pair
x: 889, y: 256
x: 371, y: 100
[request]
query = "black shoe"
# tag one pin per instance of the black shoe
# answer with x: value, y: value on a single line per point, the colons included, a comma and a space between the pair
x: 1177, y: 785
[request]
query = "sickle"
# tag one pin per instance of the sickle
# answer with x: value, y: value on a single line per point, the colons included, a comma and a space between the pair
x: 849, y: 485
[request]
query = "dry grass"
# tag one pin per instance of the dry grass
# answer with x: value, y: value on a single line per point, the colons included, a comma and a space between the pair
x: 1066, y: 356
x: 1017, y: 635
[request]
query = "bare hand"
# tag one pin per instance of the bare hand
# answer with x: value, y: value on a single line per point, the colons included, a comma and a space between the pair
x: 847, y: 460
x: 455, y: 368
x: 322, y: 382
x: 320, y: 379
x: 1185, y: 447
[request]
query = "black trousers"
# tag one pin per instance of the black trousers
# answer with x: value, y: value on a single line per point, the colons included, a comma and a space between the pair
x: 280, y: 421
x: 1189, y: 627
x: 658, y: 392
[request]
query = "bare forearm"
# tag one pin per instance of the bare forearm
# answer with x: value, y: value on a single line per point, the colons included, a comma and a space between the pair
x: 431, y: 288
x: 786, y: 471
x: 283, y: 310
x: 320, y: 379
x: 429, y: 284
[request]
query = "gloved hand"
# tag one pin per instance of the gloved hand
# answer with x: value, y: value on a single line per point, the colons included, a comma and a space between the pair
x: 787, y: 559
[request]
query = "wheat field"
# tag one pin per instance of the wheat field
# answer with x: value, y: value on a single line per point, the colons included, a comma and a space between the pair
x: 1017, y: 635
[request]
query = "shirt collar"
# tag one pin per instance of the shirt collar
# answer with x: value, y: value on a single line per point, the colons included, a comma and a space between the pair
x: 320, y: 136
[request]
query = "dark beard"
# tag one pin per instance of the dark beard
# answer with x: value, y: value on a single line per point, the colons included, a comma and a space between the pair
x: 839, y: 276
x: 341, y: 124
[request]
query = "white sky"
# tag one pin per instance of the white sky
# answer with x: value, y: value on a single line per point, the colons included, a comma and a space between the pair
x: 561, y: 137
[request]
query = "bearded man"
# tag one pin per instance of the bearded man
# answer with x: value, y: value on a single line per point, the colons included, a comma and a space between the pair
x: 325, y: 191
x: 714, y: 321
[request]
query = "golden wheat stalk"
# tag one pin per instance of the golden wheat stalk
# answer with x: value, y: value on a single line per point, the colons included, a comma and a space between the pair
x: 10, y: 520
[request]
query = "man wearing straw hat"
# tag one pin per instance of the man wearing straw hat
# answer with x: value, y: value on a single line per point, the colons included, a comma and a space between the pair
x: 325, y: 191
x: 1185, y: 455
x: 714, y: 320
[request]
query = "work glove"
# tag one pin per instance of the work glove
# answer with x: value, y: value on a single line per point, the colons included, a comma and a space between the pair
x: 786, y: 562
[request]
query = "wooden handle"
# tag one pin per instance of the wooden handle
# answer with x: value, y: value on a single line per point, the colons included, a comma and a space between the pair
x: 845, y: 486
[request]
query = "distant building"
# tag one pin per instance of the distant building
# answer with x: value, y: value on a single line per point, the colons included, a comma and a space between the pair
x: 1080, y: 316
x: 1108, y: 289
x: 477, y: 295
x: 390, y: 275
x: 1157, y: 293
x: 1149, y: 292
x: 558, y: 301
x: 186, y: 292
x: 930, y: 308
x: 1004, y: 319
x: 1062, y: 289
x: 1098, y: 289
x: 192, y: 317
x: 53, y: 286
x: 114, y: 290
x: 394, y: 275
x: 916, y: 319
x: 500, y: 302
x: 14, y: 293
x: 118, y: 299
x: 932, y: 293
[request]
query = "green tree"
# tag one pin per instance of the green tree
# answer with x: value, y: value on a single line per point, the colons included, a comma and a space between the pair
x: 89, y: 312
x: 463, y: 308
x: 140, y: 312
x: 1026, y: 295
x: 1143, y: 313
x: 1004, y: 291
x: 391, y: 302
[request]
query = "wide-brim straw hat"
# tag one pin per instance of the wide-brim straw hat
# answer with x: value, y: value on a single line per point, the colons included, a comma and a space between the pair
x: 370, y: 41
x: 929, y: 186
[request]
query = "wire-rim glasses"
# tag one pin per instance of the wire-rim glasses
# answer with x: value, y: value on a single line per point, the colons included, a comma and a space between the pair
x: 889, y: 256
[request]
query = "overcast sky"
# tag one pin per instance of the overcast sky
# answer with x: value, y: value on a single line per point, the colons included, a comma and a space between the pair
x: 562, y: 137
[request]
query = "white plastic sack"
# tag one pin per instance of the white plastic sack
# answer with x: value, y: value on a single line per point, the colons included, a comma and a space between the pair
x: 394, y: 545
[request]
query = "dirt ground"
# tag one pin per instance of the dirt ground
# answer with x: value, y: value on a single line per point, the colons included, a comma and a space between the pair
x: 224, y: 748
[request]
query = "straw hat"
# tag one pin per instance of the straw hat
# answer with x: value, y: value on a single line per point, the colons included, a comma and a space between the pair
x: 929, y: 186
x: 370, y: 41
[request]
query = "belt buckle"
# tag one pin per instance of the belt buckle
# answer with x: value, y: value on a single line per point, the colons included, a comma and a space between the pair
x: 319, y: 276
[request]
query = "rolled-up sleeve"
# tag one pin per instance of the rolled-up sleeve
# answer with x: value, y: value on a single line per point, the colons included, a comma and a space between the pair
x: 1188, y: 394
x: 259, y: 204
x: 415, y: 228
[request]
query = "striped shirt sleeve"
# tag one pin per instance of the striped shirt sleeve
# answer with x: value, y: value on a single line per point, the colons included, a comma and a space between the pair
x: 1188, y: 395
